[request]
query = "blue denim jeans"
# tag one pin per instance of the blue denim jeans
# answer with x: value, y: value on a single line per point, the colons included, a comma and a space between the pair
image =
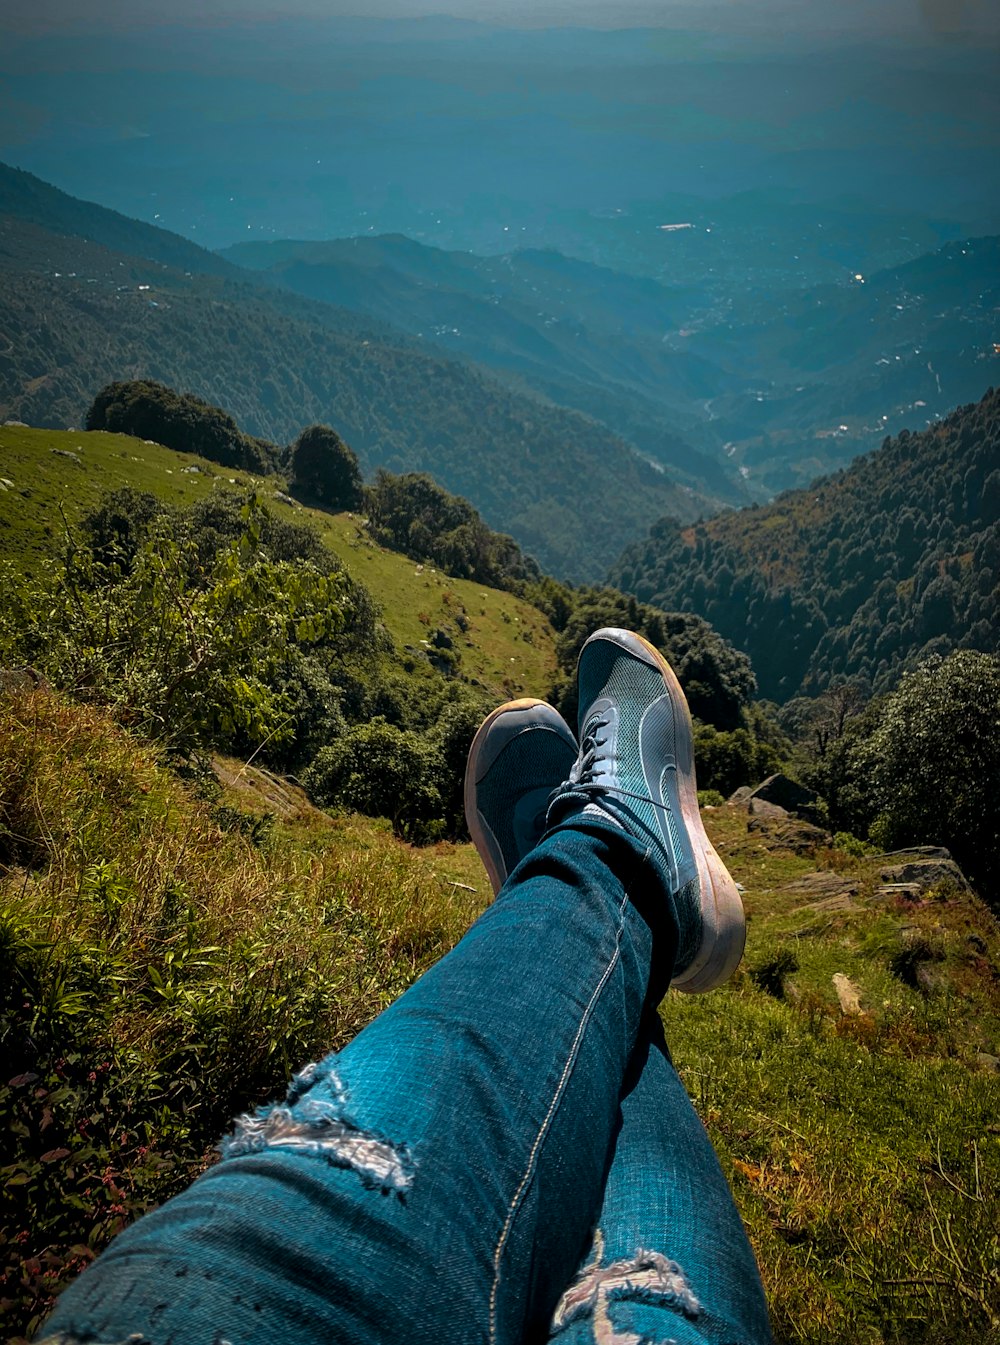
x: 503, y: 1155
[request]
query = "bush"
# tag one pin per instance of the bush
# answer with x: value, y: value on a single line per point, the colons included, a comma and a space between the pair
x: 413, y: 514
x: 725, y: 761
x: 926, y: 767
x: 382, y: 771
x: 325, y: 469
x: 167, y: 644
x: 180, y: 421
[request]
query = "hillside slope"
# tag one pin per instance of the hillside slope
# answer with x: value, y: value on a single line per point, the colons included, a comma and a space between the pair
x: 75, y: 315
x: 171, y: 957
x: 772, y: 383
x: 861, y: 575
x: 47, y: 476
x: 583, y: 335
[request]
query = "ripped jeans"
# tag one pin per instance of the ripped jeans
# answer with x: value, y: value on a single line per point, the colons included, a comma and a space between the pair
x: 504, y: 1155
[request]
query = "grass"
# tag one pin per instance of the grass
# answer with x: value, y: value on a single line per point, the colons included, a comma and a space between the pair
x: 863, y: 1150
x: 508, y: 646
x: 171, y: 949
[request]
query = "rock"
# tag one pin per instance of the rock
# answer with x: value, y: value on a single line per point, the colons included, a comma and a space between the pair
x: 66, y: 453
x: 16, y: 424
x: 925, y: 874
x: 762, y: 808
x: 14, y: 681
x: 823, y: 884
x: 788, y: 833
x: 911, y: 891
x: 848, y: 994
x: 442, y: 640
x: 794, y: 798
x: 987, y: 1062
x: 740, y: 795
x: 917, y: 852
x: 282, y: 498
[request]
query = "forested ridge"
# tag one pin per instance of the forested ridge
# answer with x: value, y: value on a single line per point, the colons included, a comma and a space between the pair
x: 75, y: 316
x: 862, y: 575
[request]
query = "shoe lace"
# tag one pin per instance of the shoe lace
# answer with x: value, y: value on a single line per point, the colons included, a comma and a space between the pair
x: 582, y: 778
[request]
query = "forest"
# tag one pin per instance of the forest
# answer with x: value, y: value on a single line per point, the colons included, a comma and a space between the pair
x: 862, y: 576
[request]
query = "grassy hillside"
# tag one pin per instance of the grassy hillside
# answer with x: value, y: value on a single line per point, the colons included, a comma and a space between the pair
x: 509, y: 646
x: 171, y: 951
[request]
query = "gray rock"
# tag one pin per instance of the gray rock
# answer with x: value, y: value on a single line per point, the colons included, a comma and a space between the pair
x: 785, y: 793
x: 740, y: 795
x: 823, y: 884
x: 925, y: 874
x: 14, y: 681
x: 764, y: 808
x: 788, y: 833
x: 66, y: 453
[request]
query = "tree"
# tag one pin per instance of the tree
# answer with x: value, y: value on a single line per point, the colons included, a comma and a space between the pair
x: 930, y: 763
x: 180, y: 421
x: 325, y: 469
x: 382, y: 771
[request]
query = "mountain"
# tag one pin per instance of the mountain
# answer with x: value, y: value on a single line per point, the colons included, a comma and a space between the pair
x: 860, y: 576
x: 825, y: 373
x: 76, y: 314
x: 740, y: 388
x: 582, y: 335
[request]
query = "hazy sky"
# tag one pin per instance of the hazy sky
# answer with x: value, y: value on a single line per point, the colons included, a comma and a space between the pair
x: 909, y: 17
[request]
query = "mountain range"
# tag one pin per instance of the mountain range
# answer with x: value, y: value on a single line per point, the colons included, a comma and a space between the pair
x: 86, y: 298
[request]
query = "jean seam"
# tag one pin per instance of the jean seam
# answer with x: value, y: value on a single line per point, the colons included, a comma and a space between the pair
x: 529, y: 1171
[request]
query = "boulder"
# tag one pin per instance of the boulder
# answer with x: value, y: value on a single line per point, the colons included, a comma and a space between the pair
x: 14, y: 681
x: 740, y: 795
x: 848, y: 994
x: 764, y: 808
x: 788, y: 833
x: 823, y: 884
x: 924, y: 874
x: 786, y: 793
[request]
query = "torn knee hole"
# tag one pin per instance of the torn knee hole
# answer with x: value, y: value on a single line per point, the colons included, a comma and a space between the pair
x: 317, y: 1125
x: 647, y: 1277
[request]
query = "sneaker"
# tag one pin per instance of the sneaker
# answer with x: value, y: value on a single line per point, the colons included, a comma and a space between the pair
x: 636, y: 767
x: 520, y: 754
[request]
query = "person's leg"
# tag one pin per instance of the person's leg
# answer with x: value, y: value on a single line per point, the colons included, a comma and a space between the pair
x: 437, y: 1180
x: 670, y: 1260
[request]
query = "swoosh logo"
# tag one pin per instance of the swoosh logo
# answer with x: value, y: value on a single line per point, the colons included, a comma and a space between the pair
x: 657, y: 753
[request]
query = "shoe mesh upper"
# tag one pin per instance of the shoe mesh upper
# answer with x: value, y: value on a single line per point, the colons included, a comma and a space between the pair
x: 536, y: 761
x: 607, y: 670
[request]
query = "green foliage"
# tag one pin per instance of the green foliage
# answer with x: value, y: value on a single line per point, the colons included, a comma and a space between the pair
x: 728, y: 759
x: 925, y: 767
x: 382, y: 771
x: 180, y: 421
x: 324, y: 469
x: 860, y: 577
x: 413, y: 514
x: 710, y: 798
x: 189, y: 654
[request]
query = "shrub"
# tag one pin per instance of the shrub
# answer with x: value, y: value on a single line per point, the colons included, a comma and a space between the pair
x: 325, y: 469
x: 180, y: 421
x: 382, y: 771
